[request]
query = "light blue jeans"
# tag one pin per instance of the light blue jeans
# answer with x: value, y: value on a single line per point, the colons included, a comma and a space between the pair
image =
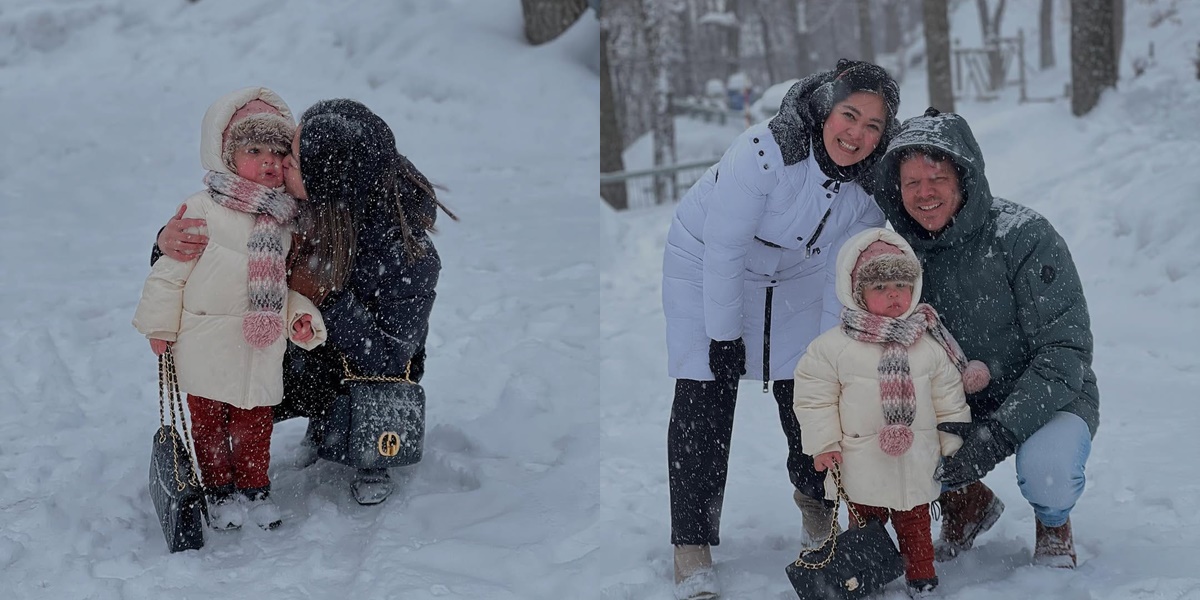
x: 1050, y: 467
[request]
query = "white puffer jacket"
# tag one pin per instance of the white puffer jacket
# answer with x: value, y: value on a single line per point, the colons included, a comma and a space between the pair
x: 752, y: 226
x: 838, y: 404
x: 199, y: 304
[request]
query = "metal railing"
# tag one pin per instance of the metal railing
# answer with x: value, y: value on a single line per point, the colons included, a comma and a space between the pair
x: 640, y: 186
x: 980, y: 73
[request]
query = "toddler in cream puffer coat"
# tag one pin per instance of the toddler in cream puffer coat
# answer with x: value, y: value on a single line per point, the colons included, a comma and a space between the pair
x: 870, y: 393
x: 228, y: 315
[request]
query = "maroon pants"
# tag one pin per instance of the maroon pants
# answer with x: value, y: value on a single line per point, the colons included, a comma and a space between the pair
x: 233, y: 445
x: 913, y: 531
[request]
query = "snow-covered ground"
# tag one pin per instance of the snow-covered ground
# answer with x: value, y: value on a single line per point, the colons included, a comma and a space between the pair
x: 1123, y: 187
x: 545, y: 474
x: 103, y: 101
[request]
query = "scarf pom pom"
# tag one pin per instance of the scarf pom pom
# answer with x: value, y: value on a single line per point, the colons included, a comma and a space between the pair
x: 261, y: 328
x: 895, y: 439
x: 976, y: 376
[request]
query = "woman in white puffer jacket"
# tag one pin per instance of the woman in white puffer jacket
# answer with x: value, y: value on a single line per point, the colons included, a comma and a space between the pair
x: 748, y: 283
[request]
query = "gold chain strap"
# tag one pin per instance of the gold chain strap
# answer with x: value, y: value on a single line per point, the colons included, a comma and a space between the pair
x: 168, y: 383
x: 350, y: 376
x: 831, y: 541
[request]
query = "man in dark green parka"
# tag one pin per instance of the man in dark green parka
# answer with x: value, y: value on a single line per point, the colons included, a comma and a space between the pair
x: 1005, y: 285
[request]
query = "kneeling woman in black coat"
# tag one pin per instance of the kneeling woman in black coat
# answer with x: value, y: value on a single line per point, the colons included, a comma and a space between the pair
x: 365, y: 259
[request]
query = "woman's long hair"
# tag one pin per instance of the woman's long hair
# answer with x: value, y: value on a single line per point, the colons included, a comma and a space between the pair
x: 357, y: 181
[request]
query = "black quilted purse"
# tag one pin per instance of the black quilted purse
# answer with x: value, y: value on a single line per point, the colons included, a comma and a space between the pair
x: 859, y: 562
x: 377, y: 422
x: 174, y: 486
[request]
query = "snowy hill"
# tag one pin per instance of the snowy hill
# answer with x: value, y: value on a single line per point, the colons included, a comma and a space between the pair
x: 1122, y: 185
x: 103, y: 101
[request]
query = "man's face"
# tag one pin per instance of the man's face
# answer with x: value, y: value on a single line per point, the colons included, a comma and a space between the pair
x: 930, y: 191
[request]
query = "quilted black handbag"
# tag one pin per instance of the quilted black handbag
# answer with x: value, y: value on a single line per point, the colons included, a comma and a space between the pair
x: 377, y: 422
x: 859, y: 562
x: 174, y: 486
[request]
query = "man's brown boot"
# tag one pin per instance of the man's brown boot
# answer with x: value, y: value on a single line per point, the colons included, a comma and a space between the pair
x: 966, y: 513
x: 694, y: 575
x: 1055, y: 546
x: 818, y: 519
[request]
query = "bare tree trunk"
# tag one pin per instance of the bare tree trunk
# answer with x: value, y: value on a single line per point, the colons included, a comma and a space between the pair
x: 735, y: 38
x: 866, y: 42
x: 1092, y: 53
x: 1196, y: 60
x: 658, y: 23
x: 692, y: 85
x: 937, y: 49
x: 547, y: 19
x: 768, y: 45
x: 1046, y: 35
x: 1118, y: 38
x: 806, y: 60
x: 893, y: 32
x: 844, y: 17
x: 610, y: 132
x: 989, y: 24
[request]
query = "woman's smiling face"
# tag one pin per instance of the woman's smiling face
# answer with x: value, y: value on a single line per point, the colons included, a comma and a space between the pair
x: 854, y: 128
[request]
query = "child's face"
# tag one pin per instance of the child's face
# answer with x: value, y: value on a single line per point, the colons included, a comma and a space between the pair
x: 260, y: 164
x: 889, y: 299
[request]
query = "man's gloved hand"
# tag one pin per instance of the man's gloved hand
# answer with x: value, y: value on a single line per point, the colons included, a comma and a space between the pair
x: 986, y: 443
x: 727, y: 360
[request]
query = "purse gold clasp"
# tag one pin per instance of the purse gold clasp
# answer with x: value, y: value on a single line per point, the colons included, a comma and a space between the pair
x: 388, y: 444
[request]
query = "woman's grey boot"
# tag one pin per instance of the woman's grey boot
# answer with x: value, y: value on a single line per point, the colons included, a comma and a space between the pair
x: 818, y: 519
x: 308, y: 446
x: 371, y: 486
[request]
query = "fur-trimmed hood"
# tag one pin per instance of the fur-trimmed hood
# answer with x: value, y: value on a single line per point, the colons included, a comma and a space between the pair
x: 216, y: 120
x: 848, y: 258
x: 948, y: 133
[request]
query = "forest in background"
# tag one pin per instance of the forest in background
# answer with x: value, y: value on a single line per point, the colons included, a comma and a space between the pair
x: 660, y: 56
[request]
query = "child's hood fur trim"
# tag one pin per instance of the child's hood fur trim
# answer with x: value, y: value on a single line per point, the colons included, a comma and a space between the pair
x: 883, y: 269
x: 268, y: 129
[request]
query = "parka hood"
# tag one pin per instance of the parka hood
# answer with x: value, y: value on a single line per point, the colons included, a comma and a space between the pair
x: 848, y: 256
x: 950, y: 134
x: 216, y: 119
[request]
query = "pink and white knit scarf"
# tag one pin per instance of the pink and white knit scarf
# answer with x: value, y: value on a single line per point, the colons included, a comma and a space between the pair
x: 267, y: 280
x: 895, y: 379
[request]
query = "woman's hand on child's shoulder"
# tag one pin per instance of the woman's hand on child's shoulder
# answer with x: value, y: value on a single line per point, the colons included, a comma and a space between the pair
x: 177, y: 240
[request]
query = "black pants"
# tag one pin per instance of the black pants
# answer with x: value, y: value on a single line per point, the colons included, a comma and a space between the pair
x: 698, y: 456
x: 311, y: 380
